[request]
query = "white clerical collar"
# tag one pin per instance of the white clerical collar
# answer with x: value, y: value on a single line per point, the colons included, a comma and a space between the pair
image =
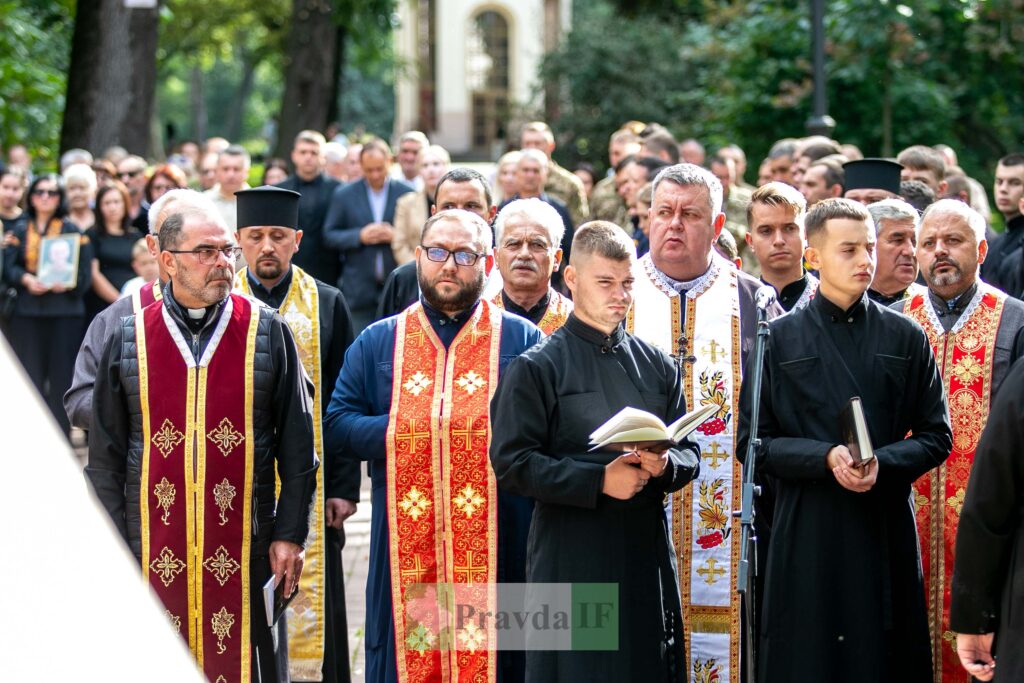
x: 196, y: 313
x: 691, y: 288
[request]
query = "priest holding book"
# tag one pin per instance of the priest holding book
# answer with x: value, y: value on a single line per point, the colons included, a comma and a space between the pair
x: 599, y: 515
x: 843, y: 598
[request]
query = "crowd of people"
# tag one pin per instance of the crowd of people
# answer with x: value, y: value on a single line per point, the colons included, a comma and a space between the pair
x: 235, y: 353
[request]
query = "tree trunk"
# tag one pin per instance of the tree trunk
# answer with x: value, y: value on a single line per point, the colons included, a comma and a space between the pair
x: 308, y: 72
x: 197, y: 104
x: 244, y: 91
x: 334, y: 102
x: 112, y: 78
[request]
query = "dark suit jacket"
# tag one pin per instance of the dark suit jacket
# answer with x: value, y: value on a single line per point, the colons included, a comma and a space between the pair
x: 313, y: 256
x: 349, y: 213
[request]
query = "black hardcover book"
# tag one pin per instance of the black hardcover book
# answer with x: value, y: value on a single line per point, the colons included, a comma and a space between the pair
x: 855, y: 432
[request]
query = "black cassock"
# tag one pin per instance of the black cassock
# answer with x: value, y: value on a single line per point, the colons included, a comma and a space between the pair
x: 843, y: 597
x: 547, y: 404
x: 988, y: 576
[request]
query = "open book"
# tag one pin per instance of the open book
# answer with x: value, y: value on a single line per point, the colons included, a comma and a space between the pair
x: 634, y: 428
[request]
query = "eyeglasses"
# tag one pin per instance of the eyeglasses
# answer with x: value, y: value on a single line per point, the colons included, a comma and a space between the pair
x: 162, y: 188
x: 129, y: 174
x: 208, y: 255
x: 45, y: 193
x: 462, y: 258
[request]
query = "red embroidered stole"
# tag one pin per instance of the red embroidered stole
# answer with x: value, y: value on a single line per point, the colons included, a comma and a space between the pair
x: 197, y: 474
x: 145, y: 295
x: 442, y: 496
x: 964, y: 355
x: 559, y: 308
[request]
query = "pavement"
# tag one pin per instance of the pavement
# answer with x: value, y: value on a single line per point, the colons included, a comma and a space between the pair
x: 356, y: 560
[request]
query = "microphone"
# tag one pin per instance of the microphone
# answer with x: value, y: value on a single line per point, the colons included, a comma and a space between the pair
x: 765, y: 297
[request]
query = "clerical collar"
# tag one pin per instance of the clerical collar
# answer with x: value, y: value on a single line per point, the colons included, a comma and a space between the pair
x: 534, y: 314
x: 955, y: 306
x: 595, y: 336
x: 831, y: 312
x: 274, y: 296
x: 447, y: 327
x: 194, y: 319
x: 886, y: 299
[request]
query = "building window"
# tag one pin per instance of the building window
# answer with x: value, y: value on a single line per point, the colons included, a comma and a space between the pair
x: 487, y: 75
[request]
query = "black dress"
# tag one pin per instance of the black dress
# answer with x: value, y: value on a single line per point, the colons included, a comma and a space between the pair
x: 547, y: 404
x: 843, y: 597
x: 114, y: 253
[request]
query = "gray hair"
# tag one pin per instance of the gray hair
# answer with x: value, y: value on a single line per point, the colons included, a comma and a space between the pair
x: 893, y: 210
x: 414, y: 136
x: 536, y: 211
x: 172, y: 231
x: 80, y: 171
x: 534, y: 154
x: 162, y: 207
x: 468, y: 218
x: 955, y: 207
x: 692, y: 175
x: 75, y: 156
x: 335, y: 152
x: 236, y: 151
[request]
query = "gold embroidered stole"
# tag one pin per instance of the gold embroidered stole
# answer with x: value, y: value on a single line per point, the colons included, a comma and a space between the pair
x: 305, y: 615
x: 558, y: 310
x: 442, y: 497
x: 704, y: 533
x: 197, y: 479
x: 964, y: 355
x: 145, y: 295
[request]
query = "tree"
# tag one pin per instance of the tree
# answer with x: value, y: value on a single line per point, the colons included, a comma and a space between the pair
x: 33, y: 61
x: 112, y: 77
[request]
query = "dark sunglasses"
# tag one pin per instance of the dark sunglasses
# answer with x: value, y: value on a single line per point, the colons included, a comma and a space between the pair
x: 45, y: 193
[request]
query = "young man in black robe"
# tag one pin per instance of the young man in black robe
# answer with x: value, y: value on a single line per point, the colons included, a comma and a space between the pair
x: 545, y: 408
x: 843, y: 598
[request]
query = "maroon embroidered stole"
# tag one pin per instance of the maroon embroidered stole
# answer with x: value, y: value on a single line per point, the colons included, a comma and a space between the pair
x: 145, y: 295
x: 197, y: 473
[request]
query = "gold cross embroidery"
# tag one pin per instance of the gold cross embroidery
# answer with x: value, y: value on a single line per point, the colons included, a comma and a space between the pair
x: 414, y: 503
x: 469, y: 570
x: 469, y: 501
x: 713, y: 349
x: 226, y: 437
x: 714, y: 456
x: 468, y: 433
x: 411, y: 437
x: 710, y: 571
x: 221, y: 565
x: 166, y: 566
x: 414, y: 338
x: 416, y: 571
x: 167, y: 437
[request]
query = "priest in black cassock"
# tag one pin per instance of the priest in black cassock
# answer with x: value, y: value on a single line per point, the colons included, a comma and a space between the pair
x: 598, y: 516
x: 318, y: 316
x: 843, y: 597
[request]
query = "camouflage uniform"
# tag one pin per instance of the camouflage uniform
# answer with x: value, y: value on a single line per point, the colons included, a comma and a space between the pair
x: 568, y: 189
x: 607, y: 205
x: 736, y: 223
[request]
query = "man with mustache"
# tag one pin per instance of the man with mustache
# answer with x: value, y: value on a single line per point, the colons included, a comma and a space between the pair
x: 200, y: 400
x: 896, y: 231
x: 413, y: 399
x: 529, y: 234
x: 975, y: 331
x: 775, y: 233
x: 843, y: 599
x: 318, y: 317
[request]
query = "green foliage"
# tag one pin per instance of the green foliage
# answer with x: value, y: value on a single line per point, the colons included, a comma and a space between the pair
x: 741, y: 72
x: 368, y: 100
x: 35, y: 46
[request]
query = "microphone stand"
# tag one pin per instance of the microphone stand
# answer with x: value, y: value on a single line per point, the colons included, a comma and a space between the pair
x: 747, y: 569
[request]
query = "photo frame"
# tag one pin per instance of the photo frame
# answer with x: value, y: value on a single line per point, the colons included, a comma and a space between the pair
x: 58, y: 261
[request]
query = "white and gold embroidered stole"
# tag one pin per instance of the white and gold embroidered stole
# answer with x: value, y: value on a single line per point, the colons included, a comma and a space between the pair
x: 305, y: 614
x: 704, y: 533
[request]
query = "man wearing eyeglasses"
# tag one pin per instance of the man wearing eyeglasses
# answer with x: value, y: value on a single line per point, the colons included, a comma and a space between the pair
x: 413, y: 399
x: 200, y: 398
x: 132, y: 172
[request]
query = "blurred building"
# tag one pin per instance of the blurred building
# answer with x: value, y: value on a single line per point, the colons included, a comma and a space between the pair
x: 468, y: 64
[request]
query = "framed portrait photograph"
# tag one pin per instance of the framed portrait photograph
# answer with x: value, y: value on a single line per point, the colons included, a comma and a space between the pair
x: 58, y: 261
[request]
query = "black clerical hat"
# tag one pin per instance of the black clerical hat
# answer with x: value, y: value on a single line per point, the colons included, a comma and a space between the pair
x: 872, y: 174
x: 268, y: 206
